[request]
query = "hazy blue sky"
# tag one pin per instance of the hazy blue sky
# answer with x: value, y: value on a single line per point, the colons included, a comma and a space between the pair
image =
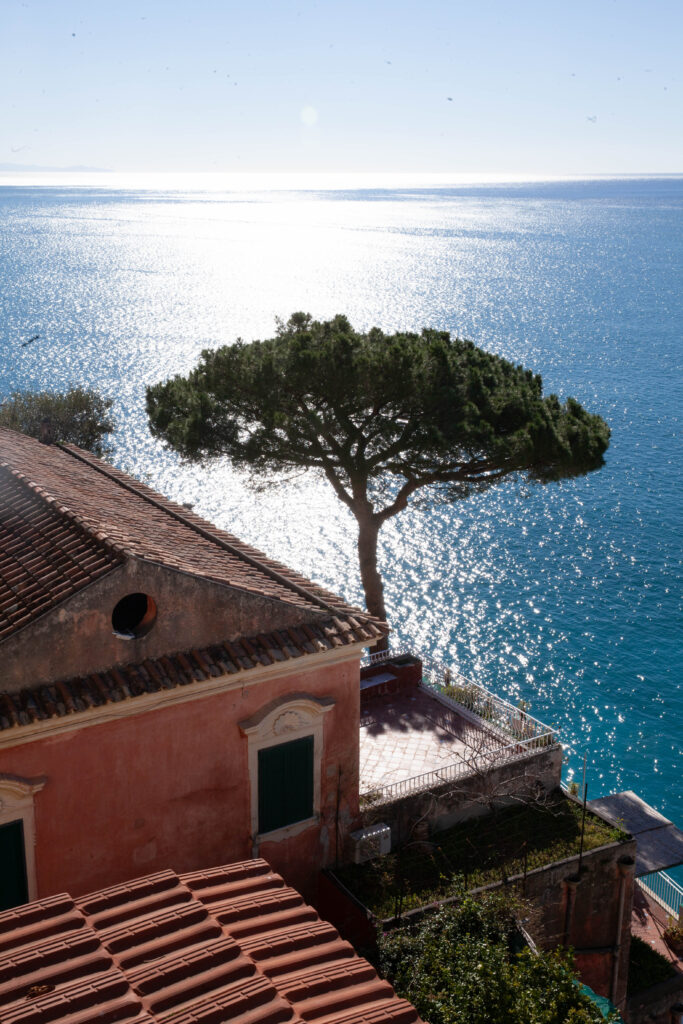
x: 494, y: 85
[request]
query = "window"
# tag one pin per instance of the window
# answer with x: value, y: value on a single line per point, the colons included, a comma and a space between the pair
x: 17, y: 840
x: 133, y: 616
x: 285, y: 784
x: 13, y: 880
x: 285, y: 757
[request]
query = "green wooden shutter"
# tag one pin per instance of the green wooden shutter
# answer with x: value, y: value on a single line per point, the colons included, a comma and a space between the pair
x: 13, y: 883
x: 285, y: 784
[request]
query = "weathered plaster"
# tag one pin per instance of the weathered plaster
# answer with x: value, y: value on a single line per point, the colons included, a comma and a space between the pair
x: 77, y: 638
x: 170, y: 788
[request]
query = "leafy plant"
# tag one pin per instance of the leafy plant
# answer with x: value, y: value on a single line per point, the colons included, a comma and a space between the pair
x: 78, y: 416
x: 673, y: 933
x: 471, y: 697
x: 462, y: 965
x: 647, y: 967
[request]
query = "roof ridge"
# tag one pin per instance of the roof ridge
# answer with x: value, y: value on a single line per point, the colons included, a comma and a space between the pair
x: 167, y: 506
x: 64, y: 510
x: 56, y: 698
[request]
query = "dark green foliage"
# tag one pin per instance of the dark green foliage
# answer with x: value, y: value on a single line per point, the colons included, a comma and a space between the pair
x: 426, y: 407
x: 647, y: 967
x: 78, y: 416
x: 382, y: 416
x: 483, y: 850
x: 460, y: 966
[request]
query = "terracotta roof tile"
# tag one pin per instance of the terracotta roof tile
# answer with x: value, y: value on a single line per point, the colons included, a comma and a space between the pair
x: 144, y: 939
x: 66, y: 518
x: 233, y: 943
x: 189, y: 668
x: 45, y: 553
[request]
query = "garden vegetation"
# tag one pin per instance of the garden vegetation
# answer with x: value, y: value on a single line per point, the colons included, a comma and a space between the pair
x: 467, y: 964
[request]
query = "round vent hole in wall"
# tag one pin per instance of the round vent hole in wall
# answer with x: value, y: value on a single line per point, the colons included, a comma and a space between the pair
x: 134, y: 616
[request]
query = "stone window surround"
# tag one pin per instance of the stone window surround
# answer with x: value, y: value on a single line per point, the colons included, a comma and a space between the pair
x: 16, y: 804
x: 288, y: 718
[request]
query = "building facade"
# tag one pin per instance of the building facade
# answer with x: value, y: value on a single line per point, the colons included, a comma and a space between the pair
x: 169, y: 697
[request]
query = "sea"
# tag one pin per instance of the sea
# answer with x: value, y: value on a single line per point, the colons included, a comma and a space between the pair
x: 566, y: 596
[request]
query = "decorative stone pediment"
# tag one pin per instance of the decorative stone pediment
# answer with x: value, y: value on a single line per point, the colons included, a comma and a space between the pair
x: 16, y: 790
x: 288, y: 721
x: 295, y: 713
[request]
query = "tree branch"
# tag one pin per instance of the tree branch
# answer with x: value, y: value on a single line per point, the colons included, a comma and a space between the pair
x: 462, y: 475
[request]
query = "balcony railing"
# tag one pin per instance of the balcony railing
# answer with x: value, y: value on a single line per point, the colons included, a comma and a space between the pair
x: 497, y: 721
x: 483, y: 759
x: 664, y: 891
x: 494, y: 713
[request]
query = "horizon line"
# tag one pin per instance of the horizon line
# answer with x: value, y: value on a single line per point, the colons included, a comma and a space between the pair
x: 298, y: 180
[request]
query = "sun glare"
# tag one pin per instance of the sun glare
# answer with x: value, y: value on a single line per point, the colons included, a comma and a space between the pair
x: 309, y: 116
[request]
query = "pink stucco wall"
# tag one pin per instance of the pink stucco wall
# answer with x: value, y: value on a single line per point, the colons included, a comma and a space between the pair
x: 170, y: 787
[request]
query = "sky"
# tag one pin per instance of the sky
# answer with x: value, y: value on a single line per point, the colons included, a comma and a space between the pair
x: 441, y: 86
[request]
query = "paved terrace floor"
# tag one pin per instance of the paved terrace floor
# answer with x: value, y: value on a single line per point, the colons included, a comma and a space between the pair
x: 648, y: 922
x: 409, y: 734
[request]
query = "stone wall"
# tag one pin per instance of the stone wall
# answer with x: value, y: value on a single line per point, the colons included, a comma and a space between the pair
x: 473, y: 795
x: 589, y: 910
x: 655, y: 1005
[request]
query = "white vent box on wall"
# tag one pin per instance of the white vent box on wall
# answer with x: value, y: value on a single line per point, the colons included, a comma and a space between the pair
x: 370, y: 842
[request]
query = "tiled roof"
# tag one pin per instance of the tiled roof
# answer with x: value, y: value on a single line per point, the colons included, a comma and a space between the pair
x: 233, y: 944
x: 55, y: 700
x: 91, y: 502
x: 46, y: 554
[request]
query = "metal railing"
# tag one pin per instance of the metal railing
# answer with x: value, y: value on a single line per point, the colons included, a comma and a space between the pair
x: 496, y: 720
x: 480, y: 762
x: 494, y: 712
x: 664, y: 891
x: 379, y: 656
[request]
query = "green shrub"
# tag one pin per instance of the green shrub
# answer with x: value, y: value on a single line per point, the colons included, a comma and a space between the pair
x: 460, y: 966
x: 646, y: 966
x: 78, y: 416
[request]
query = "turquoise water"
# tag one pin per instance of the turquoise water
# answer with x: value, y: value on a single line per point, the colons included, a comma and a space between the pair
x: 566, y: 596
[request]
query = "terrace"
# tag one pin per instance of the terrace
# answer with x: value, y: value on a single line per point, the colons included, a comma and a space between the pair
x: 486, y: 850
x: 423, y: 725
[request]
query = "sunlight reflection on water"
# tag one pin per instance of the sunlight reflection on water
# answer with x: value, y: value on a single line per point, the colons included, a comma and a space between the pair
x: 569, y: 596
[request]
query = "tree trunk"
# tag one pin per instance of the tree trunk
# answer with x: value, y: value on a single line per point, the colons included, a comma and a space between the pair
x: 368, y: 529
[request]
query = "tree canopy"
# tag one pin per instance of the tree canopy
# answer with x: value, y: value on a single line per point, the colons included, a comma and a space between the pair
x: 465, y: 965
x: 78, y: 416
x: 385, y: 417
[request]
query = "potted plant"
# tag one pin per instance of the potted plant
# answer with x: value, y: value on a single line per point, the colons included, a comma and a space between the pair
x: 673, y: 936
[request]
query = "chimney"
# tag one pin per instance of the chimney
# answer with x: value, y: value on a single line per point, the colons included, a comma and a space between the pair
x: 46, y: 435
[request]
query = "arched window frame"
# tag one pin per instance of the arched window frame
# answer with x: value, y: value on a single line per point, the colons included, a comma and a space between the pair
x: 17, y: 804
x: 289, y: 718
